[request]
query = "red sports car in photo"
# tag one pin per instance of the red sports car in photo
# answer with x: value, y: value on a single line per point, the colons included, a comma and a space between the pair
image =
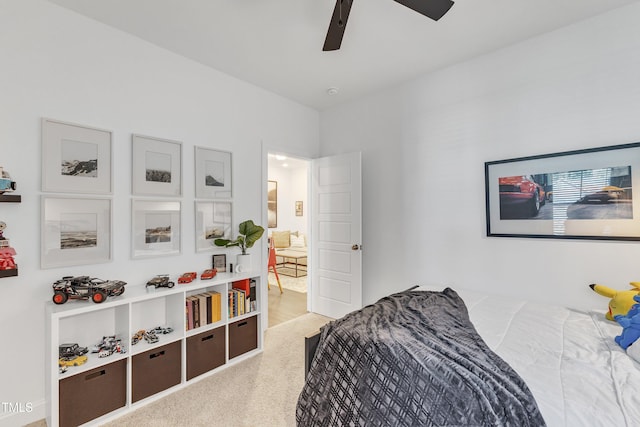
x: 520, y: 192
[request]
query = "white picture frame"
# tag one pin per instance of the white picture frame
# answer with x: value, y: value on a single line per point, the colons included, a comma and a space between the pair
x: 213, y: 174
x: 76, y: 158
x: 213, y: 221
x: 75, y: 231
x: 156, y: 166
x: 155, y: 228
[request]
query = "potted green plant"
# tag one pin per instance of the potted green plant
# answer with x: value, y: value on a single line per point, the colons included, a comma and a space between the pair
x: 248, y: 234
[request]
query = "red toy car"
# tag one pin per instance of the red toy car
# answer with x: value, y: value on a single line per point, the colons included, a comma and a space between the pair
x: 208, y: 274
x: 188, y: 277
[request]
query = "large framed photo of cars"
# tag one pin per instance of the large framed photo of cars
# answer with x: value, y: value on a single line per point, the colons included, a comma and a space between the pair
x: 583, y: 194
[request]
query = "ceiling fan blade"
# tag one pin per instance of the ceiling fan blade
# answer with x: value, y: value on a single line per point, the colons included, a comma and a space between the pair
x: 434, y: 9
x: 337, y: 25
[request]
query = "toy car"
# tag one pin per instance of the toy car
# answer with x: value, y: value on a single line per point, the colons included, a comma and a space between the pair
x: 162, y: 330
x: 161, y: 281
x: 188, y: 277
x: 150, y: 337
x: 5, y: 182
x: 137, y: 337
x: 109, y: 345
x: 70, y: 351
x: 75, y: 361
x: 208, y: 274
x: 85, y: 287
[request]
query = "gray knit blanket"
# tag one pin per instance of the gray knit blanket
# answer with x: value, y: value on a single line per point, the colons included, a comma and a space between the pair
x: 412, y: 359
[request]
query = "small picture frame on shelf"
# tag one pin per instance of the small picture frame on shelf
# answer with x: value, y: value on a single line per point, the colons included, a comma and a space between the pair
x: 155, y: 228
x: 213, y: 173
x: 213, y: 221
x: 76, y: 158
x: 75, y: 231
x: 219, y: 262
x: 156, y: 166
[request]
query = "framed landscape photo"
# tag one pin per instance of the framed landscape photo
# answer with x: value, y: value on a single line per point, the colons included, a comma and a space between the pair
x: 213, y: 221
x: 76, y: 158
x: 156, y: 166
x: 75, y: 231
x: 213, y: 173
x: 155, y: 228
x: 582, y: 194
x: 219, y: 262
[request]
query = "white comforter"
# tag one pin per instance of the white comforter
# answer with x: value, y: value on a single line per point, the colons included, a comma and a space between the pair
x: 577, y: 373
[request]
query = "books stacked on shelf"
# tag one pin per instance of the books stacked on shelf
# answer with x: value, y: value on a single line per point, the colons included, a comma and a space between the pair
x: 202, y: 309
x: 242, y: 297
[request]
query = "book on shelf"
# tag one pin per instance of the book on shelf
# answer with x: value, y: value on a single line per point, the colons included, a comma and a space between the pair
x: 202, y: 309
x: 239, y: 303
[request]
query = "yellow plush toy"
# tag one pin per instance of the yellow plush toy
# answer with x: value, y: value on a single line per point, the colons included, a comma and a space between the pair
x: 621, y: 301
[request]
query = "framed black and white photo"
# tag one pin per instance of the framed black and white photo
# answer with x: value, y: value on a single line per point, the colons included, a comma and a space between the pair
x: 75, y: 231
x: 219, y: 262
x: 76, y: 158
x: 156, y: 166
x: 581, y: 194
x: 155, y: 228
x: 213, y: 221
x: 213, y: 173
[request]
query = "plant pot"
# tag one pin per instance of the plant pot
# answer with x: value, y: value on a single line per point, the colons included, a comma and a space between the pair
x: 243, y: 263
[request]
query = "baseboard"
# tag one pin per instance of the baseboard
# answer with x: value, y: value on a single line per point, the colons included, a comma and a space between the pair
x: 14, y: 414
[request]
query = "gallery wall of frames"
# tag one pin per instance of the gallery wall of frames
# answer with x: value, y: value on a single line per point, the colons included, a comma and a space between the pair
x: 77, y: 201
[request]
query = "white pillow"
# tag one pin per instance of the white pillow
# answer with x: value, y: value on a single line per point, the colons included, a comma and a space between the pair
x: 297, y: 241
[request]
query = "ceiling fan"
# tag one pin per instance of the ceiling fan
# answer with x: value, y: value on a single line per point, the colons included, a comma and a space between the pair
x: 434, y: 9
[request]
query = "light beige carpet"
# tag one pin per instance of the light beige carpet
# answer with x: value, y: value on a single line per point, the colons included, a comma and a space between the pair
x: 261, y: 391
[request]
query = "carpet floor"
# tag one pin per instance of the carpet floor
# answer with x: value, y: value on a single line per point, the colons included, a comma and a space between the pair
x: 260, y: 391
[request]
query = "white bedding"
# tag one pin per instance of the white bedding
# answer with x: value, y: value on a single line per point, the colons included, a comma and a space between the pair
x: 577, y: 373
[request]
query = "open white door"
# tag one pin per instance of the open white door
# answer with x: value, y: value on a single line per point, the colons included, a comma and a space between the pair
x: 336, y: 236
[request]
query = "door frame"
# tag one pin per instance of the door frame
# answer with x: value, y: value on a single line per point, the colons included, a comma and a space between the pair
x: 266, y: 149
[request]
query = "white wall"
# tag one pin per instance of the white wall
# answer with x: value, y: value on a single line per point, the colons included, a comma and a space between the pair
x: 292, y: 186
x: 58, y: 64
x: 424, y: 147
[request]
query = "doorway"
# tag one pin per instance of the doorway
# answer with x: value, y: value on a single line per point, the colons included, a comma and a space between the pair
x: 288, y: 233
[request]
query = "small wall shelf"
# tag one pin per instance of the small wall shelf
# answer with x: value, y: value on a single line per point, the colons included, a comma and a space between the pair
x: 9, y: 273
x: 10, y: 198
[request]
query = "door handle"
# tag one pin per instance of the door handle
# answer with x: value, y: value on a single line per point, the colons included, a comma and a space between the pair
x: 356, y: 247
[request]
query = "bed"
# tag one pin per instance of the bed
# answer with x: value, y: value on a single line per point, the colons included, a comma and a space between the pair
x: 412, y: 361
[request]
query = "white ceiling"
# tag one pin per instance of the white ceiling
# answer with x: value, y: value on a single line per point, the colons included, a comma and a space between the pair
x: 277, y: 44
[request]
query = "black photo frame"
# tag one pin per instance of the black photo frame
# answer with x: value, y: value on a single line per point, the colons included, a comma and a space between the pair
x: 580, y: 194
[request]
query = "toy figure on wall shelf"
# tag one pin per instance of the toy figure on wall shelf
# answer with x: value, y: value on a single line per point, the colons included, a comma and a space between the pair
x: 85, y: 287
x: 6, y: 184
x: 8, y: 265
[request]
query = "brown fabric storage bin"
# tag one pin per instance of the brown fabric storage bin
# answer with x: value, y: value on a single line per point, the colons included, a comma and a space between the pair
x: 155, y: 370
x: 205, y: 352
x: 243, y: 336
x: 91, y: 394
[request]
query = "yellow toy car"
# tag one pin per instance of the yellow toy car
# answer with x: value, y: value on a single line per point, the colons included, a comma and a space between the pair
x: 75, y: 361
